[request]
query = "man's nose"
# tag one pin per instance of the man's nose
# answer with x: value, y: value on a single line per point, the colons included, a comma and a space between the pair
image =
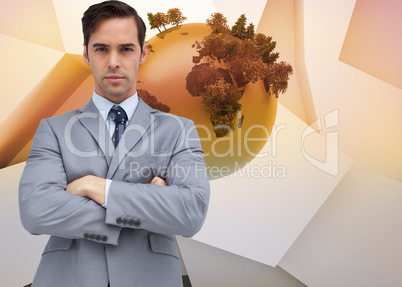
x: 114, y: 62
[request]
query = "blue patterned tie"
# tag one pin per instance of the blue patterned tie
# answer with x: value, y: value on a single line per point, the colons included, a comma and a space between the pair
x: 119, y: 116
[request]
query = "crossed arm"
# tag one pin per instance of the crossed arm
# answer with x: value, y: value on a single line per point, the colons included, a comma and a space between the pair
x: 49, y: 204
x: 93, y: 187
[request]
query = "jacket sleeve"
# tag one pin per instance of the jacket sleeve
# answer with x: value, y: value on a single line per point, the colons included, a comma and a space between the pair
x: 45, y: 206
x: 178, y: 208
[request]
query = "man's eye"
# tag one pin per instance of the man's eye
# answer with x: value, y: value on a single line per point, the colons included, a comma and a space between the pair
x: 100, y: 49
x: 127, y: 49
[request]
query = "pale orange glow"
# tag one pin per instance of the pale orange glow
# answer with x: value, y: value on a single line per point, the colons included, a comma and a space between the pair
x: 43, y: 101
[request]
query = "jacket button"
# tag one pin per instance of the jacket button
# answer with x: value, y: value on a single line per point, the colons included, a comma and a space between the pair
x: 119, y: 220
x: 97, y: 237
x: 131, y: 222
x: 86, y: 235
x: 92, y: 236
x: 137, y: 222
x: 104, y: 238
x: 124, y: 221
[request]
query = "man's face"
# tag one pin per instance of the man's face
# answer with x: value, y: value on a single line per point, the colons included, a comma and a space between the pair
x: 114, y: 55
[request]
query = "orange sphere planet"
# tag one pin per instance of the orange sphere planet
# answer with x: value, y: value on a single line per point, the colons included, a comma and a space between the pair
x: 163, y: 75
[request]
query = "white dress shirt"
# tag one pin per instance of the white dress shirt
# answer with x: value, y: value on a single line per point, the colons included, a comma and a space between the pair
x: 104, y: 105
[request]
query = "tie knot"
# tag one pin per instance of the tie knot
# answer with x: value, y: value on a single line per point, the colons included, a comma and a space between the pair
x: 118, y: 115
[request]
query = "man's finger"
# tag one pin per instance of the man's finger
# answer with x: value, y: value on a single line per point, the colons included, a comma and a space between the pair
x: 158, y: 181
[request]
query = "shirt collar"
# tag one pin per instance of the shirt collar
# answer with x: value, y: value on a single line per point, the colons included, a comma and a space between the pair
x: 104, y: 105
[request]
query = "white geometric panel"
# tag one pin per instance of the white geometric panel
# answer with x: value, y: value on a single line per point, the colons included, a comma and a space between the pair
x: 20, y: 251
x: 355, y: 239
x: 283, y: 21
x: 211, y: 267
x: 259, y: 211
x: 369, y: 108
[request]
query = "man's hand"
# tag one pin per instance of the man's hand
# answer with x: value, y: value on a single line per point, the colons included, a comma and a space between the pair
x: 158, y: 181
x: 89, y: 186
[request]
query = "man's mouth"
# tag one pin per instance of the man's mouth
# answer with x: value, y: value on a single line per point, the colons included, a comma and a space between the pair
x: 114, y: 78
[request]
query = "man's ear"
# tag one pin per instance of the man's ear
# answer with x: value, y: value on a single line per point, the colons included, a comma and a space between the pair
x: 85, y: 55
x: 144, y: 53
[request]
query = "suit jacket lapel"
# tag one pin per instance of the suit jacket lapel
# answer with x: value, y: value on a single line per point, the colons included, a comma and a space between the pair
x: 137, y: 127
x: 95, y: 124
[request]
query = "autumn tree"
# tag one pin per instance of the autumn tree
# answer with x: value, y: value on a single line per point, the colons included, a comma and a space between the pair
x: 228, y: 60
x: 152, y: 101
x: 278, y: 77
x: 212, y: 46
x: 175, y: 17
x: 218, y: 23
x: 159, y: 20
x: 221, y: 101
x: 204, y: 75
x: 245, y: 64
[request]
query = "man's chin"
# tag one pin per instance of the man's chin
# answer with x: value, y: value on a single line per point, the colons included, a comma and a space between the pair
x: 116, y: 97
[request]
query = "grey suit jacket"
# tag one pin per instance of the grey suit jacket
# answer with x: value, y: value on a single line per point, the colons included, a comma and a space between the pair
x: 131, y: 242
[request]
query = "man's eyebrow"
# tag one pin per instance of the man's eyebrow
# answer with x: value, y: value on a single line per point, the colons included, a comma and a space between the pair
x: 95, y: 45
x: 128, y: 45
x: 99, y: 45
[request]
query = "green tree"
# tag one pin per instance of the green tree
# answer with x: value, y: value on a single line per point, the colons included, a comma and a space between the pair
x: 265, y: 48
x: 152, y: 22
x: 239, y: 29
x: 175, y: 17
x: 250, y: 32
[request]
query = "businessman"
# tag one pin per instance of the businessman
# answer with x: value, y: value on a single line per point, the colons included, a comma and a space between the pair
x: 113, y: 182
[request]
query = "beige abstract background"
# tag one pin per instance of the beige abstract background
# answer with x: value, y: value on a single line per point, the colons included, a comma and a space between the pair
x: 334, y: 218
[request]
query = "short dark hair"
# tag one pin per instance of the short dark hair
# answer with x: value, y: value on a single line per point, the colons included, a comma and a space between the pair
x: 98, y: 13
